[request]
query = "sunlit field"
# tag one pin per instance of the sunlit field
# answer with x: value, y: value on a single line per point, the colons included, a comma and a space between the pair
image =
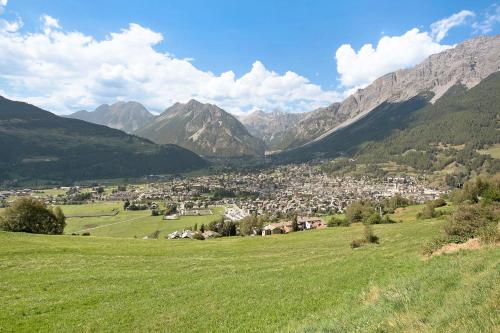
x: 306, y: 281
x: 126, y: 224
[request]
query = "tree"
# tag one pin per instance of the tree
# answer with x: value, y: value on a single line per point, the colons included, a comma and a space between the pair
x: 32, y: 216
x: 195, y: 228
x: 375, y: 218
x: 468, y: 220
x: 170, y: 208
x: 202, y: 228
x: 336, y: 221
x: 359, y: 211
x: 370, y: 236
x: 295, y: 224
x: 126, y: 204
x: 427, y: 212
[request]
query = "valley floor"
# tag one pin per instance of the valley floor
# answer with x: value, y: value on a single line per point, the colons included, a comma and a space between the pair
x: 126, y: 224
x: 305, y: 281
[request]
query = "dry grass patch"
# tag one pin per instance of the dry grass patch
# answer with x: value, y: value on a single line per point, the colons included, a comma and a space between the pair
x: 471, y: 244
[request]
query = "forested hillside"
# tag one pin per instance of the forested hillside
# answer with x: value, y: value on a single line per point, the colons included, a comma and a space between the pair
x: 36, y: 144
x: 419, y: 134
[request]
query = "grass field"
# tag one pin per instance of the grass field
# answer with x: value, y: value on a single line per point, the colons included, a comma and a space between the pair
x: 306, y: 281
x: 493, y: 151
x: 126, y: 224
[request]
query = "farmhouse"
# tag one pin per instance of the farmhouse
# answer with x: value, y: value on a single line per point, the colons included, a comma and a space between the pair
x: 306, y: 223
x: 277, y: 228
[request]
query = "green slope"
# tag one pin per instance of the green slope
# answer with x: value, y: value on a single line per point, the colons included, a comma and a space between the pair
x: 37, y: 144
x: 307, y: 281
x: 461, y: 116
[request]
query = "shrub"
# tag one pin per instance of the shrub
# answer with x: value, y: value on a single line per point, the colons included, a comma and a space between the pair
x: 374, y: 219
x: 370, y: 237
x: 435, y: 244
x: 86, y: 233
x: 359, y: 211
x: 397, y: 201
x: 336, y: 221
x: 155, y: 212
x: 440, y: 202
x: 32, y: 216
x: 483, y: 189
x: 427, y: 212
x: 227, y: 228
x: 467, y: 221
x: 489, y: 234
x: 387, y: 220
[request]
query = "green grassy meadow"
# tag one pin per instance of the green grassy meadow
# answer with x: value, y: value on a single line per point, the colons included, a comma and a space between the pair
x: 126, y: 224
x: 493, y: 151
x: 301, y: 282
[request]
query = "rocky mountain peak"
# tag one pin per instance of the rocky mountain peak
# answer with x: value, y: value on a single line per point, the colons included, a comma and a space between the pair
x: 126, y: 116
x: 467, y: 63
x: 203, y: 128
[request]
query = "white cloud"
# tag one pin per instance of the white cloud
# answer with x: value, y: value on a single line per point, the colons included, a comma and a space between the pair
x: 440, y: 28
x: 49, y: 22
x: 66, y: 71
x: 357, y: 69
x: 10, y: 26
x: 491, y: 18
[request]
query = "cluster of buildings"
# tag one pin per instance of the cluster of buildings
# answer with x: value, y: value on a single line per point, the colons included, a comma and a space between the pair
x: 302, y: 189
x: 303, y: 223
x: 282, y: 191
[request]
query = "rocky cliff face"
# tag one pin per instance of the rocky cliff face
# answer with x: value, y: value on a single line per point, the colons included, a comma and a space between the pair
x: 274, y: 128
x: 468, y: 64
x: 125, y: 116
x: 203, y: 128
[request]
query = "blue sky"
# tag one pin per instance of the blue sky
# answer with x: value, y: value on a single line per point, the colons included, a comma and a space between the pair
x: 221, y: 36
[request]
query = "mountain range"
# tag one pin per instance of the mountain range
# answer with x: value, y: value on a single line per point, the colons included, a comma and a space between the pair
x: 210, y: 131
x: 407, y: 116
x: 203, y: 128
x: 467, y: 64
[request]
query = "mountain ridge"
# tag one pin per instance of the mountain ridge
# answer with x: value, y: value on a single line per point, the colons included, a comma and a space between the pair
x: 467, y: 63
x: 203, y: 128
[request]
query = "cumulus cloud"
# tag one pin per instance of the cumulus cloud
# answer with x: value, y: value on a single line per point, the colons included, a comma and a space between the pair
x: 359, y: 68
x: 49, y: 22
x: 440, y: 28
x: 66, y: 71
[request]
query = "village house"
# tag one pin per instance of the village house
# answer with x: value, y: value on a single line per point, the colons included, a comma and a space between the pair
x: 306, y: 223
